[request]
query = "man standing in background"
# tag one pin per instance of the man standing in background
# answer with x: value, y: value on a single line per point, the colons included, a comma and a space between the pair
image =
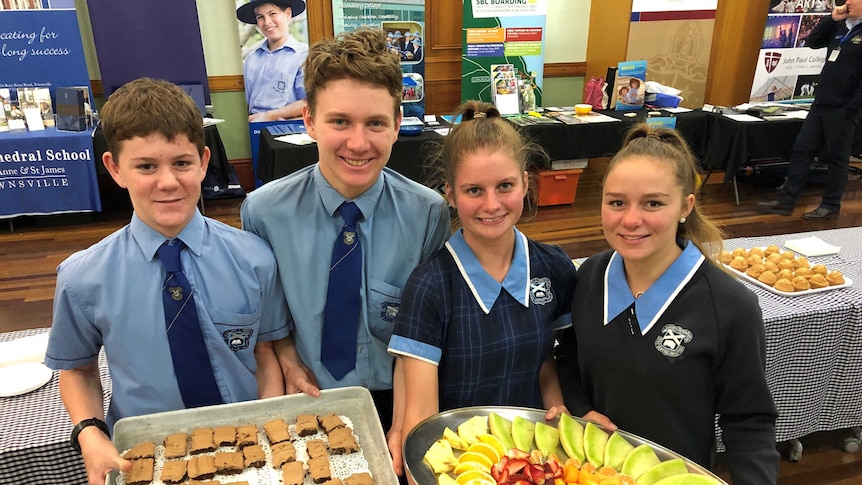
x: 829, y: 126
x: 273, y: 72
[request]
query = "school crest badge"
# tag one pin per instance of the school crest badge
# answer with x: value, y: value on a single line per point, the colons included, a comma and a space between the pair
x: 540, y: 291
x: 389, y: 310
x: 176, y: 292
x: 672, y: 340
x: 771, y: 60
x: 238, y: 339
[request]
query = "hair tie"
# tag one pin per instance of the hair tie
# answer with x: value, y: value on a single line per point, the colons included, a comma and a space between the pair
x: 479, y: 114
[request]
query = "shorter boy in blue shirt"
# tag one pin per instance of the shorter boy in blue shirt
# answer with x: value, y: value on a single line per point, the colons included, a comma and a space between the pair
x: 111, y: 294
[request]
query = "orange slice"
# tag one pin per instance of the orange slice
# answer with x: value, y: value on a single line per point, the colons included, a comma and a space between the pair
x: 472, y: 456
x: 494, y: 442
x: 469, y: 465
x: 485, y: 449
x: 475, y: 477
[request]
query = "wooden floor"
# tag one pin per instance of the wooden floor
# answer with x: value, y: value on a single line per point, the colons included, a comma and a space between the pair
x: 32, y: 247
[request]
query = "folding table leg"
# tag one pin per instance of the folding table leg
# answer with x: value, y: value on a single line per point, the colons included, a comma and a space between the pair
x: 735, y: 190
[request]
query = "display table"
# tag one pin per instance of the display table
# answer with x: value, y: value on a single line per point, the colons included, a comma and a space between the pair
x: 814, y: 342
x: 47, y: 172
x: 732, y: 145
x: 34, y: 444
x: 277, y: 158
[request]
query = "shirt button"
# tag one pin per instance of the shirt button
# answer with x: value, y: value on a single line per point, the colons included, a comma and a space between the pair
x: 359, y: 349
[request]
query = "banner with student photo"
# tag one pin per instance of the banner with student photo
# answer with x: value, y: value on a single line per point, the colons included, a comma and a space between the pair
x: 786, y: 69
x: 273, y: 39
x: 404, y: 23
x: 503, y: 32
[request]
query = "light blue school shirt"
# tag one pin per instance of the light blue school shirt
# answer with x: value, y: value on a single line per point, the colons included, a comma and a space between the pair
x: 274, y: 79
x: 111, y: 295
x: 402, y: 223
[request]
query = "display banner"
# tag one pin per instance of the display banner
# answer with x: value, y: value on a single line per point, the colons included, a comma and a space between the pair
x: 404, y: 23
x: 502, y: 32
x: 786, y: 69
x: 675, y: 38
x: 41, y: 48
x: 47, y: 172
x: 156, y: 38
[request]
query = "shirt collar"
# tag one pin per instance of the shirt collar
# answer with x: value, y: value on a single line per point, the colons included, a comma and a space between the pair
x: 332, y: 200
x: 291, y: 43
x: 485, y: 288
x: 149, y: 240
x: 852, y: 23
x: 654, y: 301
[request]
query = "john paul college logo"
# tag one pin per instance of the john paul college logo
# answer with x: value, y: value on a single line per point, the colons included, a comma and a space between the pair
x: 540, y: 291
x: 771, y: 60
x: 672, y: 340
x: 238, y: 339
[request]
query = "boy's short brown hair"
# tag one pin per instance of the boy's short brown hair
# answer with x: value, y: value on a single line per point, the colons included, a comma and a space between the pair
x: 361, y: 55
x: 146, y: 106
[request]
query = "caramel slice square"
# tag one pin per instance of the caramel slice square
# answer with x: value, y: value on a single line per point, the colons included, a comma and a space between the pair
x: 359, y: 479
x: 202, y: 441
x: 319, y: 469
x: 246, y: 435
x: 306, y: 424
x: 282, y: 453
x: 224, y: 435
x: 176, y: 445
x: 293, y: 473
x: 254, y: 456
x: 276, y: 431
x: 316, y: 448
x: 146, y: 449
x: 330, y: 422
x: 333, y: 481
x: 229, y: 463
x: 174, y: 471
x: 205, y: 482
x: 142, y: 472
x: 202, y: 466
x: 341, y: 442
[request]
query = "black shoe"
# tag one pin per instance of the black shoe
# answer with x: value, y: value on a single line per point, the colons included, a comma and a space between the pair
x: 774, y: 207
x: 820, y: 214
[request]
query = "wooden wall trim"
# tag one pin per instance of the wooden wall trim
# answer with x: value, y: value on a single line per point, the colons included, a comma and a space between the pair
x: 218, y: 84
x: 565, y: 69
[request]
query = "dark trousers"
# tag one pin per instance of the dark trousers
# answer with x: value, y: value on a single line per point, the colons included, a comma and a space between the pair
x: 827, y: 132
x: 383, y: 403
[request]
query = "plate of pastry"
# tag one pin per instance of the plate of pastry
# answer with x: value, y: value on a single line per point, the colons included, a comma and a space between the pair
x: 783, y: 272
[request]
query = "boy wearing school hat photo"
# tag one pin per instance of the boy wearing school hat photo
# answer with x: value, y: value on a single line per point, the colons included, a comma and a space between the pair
x: 273, y: 74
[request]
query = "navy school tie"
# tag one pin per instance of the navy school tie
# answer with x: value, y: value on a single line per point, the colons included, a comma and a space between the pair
x: 341, y: 314
x: 192, y: 365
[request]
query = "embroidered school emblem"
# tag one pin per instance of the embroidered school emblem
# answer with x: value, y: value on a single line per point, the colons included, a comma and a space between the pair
x: 672, y: 340
x: 540, y: 291
x: 176, y: 292
x: 771, y: 60
x: 349, y: 237
x: 238, y: 339
x: 856, y: 40
x: 389, y: 310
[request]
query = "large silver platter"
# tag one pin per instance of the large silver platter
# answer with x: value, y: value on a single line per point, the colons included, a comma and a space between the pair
x: 430, y: 430
x: 353, y: 402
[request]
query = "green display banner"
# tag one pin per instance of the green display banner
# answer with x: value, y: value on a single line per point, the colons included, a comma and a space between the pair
x: 503, y: 32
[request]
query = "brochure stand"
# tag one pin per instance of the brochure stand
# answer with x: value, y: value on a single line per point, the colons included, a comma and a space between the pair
x: 504, y: 86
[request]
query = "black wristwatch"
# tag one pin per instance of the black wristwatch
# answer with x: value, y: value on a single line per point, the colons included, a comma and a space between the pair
x: 83, y: 424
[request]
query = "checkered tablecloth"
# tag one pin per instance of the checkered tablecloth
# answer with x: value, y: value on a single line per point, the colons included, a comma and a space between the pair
x: 34, y: 432
x: 814, y: 342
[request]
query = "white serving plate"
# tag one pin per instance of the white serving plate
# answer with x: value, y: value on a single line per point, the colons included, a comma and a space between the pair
x: 23, y: 377
x: 847, y: 283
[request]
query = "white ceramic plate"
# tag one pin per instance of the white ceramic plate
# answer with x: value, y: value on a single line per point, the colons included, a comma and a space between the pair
x: 754, y: 281
x: 17, y: 379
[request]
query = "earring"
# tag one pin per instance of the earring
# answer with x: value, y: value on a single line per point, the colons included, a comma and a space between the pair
x: 682, y: 220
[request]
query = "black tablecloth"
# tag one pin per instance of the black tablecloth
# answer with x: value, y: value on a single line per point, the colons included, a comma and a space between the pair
x: 277, y: 158
x: 591, y: 140
x: 732, y: 145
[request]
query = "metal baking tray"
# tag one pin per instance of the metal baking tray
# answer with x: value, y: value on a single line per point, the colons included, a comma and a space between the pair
x: 430, y: 430
x: 352, y: 402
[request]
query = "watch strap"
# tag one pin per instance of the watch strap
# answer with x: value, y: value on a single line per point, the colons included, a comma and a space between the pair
x: 83, y: 424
